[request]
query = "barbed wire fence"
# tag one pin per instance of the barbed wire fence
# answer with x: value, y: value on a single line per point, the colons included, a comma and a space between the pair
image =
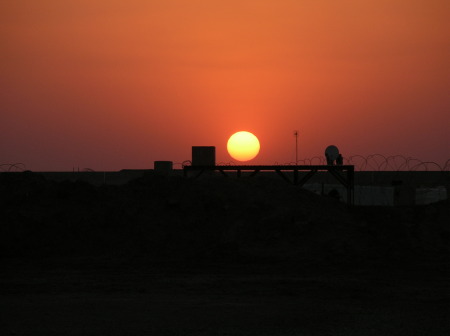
x: 434, y: 186
x: 12, y: 167
x: 372, y: 162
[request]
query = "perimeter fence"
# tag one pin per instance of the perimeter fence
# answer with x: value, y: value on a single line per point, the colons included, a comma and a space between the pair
x: 381, y: 180
x: 12, y: 167
x: 373, y: 162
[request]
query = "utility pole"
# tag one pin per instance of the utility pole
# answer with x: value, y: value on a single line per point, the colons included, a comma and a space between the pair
x: 296, y: 147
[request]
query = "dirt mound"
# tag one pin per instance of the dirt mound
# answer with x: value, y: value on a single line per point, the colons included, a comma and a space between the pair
x: 209, y: 218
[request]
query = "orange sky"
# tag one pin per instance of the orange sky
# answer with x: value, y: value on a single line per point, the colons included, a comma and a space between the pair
x: 116, y: 84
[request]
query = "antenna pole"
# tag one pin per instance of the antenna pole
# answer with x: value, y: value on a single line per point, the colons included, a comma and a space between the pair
x: 296, y: 147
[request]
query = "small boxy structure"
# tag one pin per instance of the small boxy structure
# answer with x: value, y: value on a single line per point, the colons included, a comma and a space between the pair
x: 163, y: 167
x: 203, y: 156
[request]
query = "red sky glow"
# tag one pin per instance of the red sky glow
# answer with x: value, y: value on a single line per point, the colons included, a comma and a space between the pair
x: 109, y: 85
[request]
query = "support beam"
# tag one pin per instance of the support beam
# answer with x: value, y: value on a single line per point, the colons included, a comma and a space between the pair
x: 351, y: 186
x: 339, y: 177
x: 295, y: 176
x: 254, y: 173
x: 280, y: 173
x: 306, y: 177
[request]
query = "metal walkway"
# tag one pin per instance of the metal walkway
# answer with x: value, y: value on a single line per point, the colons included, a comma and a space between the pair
x: 343, y: 173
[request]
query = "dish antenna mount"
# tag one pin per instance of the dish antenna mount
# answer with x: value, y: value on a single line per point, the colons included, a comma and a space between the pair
x: 333, y: 156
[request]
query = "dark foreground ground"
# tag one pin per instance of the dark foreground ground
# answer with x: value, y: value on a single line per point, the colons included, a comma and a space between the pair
x: 216, y: 257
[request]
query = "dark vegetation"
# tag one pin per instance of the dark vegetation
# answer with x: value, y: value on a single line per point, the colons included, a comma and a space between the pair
x: 209, y: 219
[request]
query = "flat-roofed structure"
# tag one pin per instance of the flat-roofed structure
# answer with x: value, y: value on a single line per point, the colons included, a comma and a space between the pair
x: 203, y: 156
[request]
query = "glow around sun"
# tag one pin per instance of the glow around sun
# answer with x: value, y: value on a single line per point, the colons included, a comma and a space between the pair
x: 243, y: 146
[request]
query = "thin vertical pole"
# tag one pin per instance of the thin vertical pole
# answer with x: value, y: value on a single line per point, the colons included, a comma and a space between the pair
x: 296, y: 147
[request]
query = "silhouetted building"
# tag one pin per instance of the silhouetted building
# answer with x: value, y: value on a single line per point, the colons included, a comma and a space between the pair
x: 203, y: 155
x: 163, y: 167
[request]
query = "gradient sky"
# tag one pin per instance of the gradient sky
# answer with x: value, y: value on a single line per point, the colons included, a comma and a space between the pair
x: 109, y: 84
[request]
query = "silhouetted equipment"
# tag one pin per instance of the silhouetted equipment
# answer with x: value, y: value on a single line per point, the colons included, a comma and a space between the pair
x: 343, y: 173
x: 203, y: 155
x: 163, y: 167
x: 332, y: 156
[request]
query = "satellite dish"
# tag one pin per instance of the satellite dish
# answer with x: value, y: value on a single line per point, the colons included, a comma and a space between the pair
x: 331, y: 154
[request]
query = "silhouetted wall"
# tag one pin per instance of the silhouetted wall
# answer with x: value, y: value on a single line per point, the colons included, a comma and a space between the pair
x: 403, y: 186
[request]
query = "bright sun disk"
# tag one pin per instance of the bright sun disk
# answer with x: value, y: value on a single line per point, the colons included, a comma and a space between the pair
x: 243, y: 146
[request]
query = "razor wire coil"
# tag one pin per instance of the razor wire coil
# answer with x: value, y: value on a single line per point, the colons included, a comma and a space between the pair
x: 372, y: 162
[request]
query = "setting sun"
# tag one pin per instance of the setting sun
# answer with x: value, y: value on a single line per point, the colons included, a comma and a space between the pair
x: 243, y: 146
